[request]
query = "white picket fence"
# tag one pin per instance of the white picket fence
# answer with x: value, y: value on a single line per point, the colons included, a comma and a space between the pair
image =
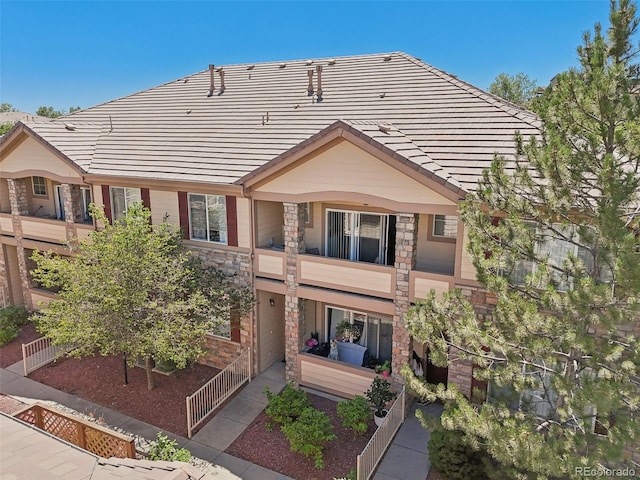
x: 370, y: 457
x: 38, y: 353
x: 217, y: 390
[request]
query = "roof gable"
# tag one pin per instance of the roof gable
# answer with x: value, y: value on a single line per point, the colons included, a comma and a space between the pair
x: 344, y: 163
x: 24, y: 153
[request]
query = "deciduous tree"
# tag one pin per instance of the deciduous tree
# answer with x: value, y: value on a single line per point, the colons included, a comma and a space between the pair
x: 518, y: 88
x: 132, y: 288
x: 554, y: 239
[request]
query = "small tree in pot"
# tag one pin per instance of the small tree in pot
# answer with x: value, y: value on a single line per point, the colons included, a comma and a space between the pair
x: 379, y: 394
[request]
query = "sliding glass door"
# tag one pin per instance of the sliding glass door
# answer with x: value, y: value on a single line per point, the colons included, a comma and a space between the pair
x: 357, y: 236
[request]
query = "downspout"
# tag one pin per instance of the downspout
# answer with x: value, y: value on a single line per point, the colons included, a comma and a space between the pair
x: 254, y: 340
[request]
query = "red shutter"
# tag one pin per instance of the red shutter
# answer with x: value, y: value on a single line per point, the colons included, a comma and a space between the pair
x: 183, y: 208
x: 232, y: 221
x: 235, y: 328
x: 146, y: 199
x: 106, y: 201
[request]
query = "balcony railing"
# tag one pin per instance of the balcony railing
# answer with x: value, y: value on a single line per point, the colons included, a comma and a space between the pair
x: 345, y: 275
x: 420, y: 283
x: 269, y: 263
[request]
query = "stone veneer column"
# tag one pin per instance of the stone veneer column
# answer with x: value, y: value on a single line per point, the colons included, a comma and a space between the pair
x: 293, y: 305
x: 20, y: 206
x: 406, y: 249
x: 69, y: 213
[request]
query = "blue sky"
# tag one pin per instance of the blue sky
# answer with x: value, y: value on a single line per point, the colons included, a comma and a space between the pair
x: 84, y: 53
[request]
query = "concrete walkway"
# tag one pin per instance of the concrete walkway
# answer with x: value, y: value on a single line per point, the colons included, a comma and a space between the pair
x: 406, y: 458
x: 208, y: 444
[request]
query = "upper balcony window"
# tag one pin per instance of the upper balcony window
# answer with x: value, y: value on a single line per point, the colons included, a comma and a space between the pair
x: 445, y: 227
x: 208, y: 218
x: 359, y: 236
x: 39, y: 186
x: 121, y: 199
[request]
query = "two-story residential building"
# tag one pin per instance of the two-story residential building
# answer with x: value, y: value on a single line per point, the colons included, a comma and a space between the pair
x: 330, y: 185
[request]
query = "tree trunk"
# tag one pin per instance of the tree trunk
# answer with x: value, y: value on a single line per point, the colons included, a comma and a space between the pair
x: 149, y: 368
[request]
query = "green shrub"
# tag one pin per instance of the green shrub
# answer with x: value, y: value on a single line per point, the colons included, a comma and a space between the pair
x: 308, y: 434
x: 165, y: 449
x: 352, y: 475
x: 453, y: 458
x: 287, y: 405
x: 11, y: 319
x: 354, y: 414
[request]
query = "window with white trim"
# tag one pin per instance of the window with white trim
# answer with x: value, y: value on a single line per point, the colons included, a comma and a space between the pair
x: 208, y: 218
x: 222, y: 328
x: 39, y: 186
x: 557, y: 250
x: 377, y: 330
x: 445, y: 226
x: 86, y: 201
x: 121, y: 199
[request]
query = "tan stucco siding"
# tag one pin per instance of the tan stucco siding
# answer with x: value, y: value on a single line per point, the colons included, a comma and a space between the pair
x: 467, y: 270
x: 243, y: 212
x: 31, y: 156
x: 346, y: 168
x: 164, y: 205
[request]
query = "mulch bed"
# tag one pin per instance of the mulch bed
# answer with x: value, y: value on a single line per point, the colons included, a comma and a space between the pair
x: 271, y: 449
x: 12, y: 351
x: 101, y: 380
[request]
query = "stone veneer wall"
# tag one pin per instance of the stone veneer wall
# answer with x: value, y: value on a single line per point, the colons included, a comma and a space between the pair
x: 405, y: 261
x: 20, y: 206
x: 222, y: 351
x: 461, y: 371
x: 293, y: 305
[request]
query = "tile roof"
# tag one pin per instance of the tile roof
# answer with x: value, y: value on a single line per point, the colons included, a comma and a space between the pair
x: 176, y: 131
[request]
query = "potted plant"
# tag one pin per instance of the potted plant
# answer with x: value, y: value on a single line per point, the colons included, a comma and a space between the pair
x: 384, y: 369
x: 348, y: 332
x: 379, y: 394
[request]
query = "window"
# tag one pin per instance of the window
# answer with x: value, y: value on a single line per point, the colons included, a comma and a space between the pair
x: 308, y: 214
x: 222, y: 328
x: 376, y: 330
x: 39, y: 186
x: 445, y: 226
x: 86, y: 200
x: 557, y: 250
x: 121, y: 199
x: 208, y: 218
x: 358, y: 236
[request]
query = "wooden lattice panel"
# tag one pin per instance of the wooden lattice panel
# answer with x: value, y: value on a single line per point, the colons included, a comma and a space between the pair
x: 60, y: 426
x: 91, y: 437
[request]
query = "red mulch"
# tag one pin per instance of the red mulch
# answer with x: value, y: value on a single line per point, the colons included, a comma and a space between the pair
x: 271, y: 449
x: 12, y: 351
x: 101, y: 380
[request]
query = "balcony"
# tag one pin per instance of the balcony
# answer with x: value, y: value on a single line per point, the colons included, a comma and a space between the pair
x: 345, y: 275
x: 6, y: 224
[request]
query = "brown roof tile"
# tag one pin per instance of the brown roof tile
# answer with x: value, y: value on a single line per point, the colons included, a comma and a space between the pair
x: 176, y: 131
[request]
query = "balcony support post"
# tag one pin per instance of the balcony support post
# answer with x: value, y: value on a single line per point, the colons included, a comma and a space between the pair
x: 20, y: 206
x: 294, y: 306
x: 405, y: 261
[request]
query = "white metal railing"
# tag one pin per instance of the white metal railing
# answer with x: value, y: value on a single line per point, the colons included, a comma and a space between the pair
x: 371, y: 454
x: 38, y: 353
x: 217, y: 390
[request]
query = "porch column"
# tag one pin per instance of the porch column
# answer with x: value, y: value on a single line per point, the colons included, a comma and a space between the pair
x: 293, y: 305
x: 406, y: 249
x: 19, y: 201
x: 69, y: 211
